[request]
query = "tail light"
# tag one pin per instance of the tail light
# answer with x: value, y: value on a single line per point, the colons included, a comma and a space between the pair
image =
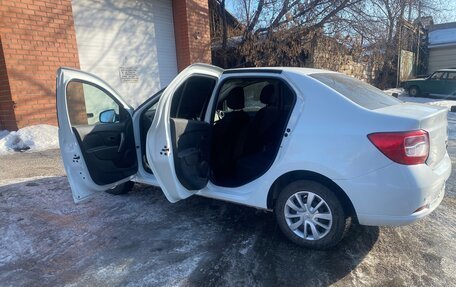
x: 403, y: 147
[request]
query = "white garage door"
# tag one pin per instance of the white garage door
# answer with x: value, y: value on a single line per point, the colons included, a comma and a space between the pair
x: 442, y: 58
x: 128, y: 43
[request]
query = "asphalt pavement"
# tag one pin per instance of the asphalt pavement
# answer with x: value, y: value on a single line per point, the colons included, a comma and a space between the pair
x: 140, y: 239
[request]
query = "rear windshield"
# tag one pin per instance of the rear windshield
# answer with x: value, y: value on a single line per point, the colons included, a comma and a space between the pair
x: 357, y: 91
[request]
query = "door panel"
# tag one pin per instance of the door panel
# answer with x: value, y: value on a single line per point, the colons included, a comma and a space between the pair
x: 191, y: 145
x: 97, y: 155
x: 177, y: 138
x: 451, y: 84
x: 108, y: 150
x: 435, y: 83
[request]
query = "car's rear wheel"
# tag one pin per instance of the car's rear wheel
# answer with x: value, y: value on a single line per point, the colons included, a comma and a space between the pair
x: 122, y: 188
x: 414, y: 91
x: 311, y: 215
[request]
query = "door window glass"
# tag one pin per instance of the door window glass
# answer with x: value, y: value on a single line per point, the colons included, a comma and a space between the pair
x: 436, y: 75
x: 452, y: 76
x: 253, y: 88
x: 252, y: 96
x: 252, y: 91
x: 86, y: 102
x: 191, y: 98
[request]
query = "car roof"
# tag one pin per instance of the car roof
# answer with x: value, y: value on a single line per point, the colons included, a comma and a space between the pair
x: 278, y: 70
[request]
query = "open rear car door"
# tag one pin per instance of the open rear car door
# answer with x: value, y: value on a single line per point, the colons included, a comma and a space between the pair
x: 95, y: 133
x: 178, y: 142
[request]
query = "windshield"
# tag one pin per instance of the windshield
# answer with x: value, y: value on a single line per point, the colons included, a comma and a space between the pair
x: 357, y: 91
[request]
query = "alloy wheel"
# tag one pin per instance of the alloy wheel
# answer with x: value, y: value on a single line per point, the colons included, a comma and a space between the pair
x: 308, y: 215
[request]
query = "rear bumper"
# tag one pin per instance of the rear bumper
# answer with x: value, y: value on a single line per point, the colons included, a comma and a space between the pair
x: 397, y: 194
x: 378, y: 220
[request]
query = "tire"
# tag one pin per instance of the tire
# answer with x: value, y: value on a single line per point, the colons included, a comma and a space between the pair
x: 414, y: 91
x: 303, y: 220
x: 122, y: 188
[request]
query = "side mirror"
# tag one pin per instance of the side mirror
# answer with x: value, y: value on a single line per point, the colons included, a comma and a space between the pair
x: 108, y: 116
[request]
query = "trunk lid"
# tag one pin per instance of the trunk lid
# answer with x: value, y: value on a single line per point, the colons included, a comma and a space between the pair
x: 432, y: 119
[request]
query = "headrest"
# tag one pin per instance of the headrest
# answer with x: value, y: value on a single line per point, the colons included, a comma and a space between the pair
x: 235, y: 99
x: 267, y: 95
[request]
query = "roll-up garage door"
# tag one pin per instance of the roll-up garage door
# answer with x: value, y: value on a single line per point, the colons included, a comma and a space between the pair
x: 129, y: 44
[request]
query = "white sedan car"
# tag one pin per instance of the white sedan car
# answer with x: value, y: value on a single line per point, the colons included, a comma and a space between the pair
x: 316, y: 147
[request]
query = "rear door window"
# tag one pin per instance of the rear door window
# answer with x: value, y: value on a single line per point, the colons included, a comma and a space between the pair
x: 191, y: 98
x: 357, y: 91
x: 451, y: 76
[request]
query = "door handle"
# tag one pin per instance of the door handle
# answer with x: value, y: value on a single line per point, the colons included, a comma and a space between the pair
x: 122, y: 142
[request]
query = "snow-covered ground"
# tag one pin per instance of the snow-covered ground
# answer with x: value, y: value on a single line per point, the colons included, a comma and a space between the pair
x: 32, y: 138
x: 398, y: 91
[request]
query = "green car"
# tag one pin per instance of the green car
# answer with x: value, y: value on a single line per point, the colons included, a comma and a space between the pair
x: 439, y: 83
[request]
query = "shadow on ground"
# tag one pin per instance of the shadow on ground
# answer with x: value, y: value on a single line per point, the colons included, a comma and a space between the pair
x: 141, y: 239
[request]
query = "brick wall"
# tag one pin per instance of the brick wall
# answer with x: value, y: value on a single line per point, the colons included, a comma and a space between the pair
x: 192, y: 32
x: 7, y: 117
x: 36, y: 38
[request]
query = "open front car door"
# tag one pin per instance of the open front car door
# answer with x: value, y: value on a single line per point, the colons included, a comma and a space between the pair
x: 95, y: 133
x: 179, y: 140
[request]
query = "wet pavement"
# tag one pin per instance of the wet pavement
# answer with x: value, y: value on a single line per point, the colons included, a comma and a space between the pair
x: 141, y: 239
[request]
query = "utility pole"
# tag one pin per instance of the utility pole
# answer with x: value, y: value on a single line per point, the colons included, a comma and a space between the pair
x: 417, y: 64
x: 409, y: 10
x: 399, y: 36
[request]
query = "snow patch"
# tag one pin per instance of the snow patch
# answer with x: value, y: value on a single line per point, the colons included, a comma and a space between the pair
x: 33, y: 138
x: 247, y: 245
x: 16, y: 248
x: 398, y: 91
x: 3, y: 134
x: 435, y: 102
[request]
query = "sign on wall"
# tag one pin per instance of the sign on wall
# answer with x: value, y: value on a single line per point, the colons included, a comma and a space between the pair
x: 406, y: 65
x: 129, y: 74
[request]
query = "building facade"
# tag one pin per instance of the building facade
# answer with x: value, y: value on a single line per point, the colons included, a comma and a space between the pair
x: 136, y: 46
x: 442, y: 47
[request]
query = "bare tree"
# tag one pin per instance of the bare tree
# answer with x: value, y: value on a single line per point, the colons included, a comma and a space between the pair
x: 379, y: 23
x: 288, y: 32
x: 281, y: 31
